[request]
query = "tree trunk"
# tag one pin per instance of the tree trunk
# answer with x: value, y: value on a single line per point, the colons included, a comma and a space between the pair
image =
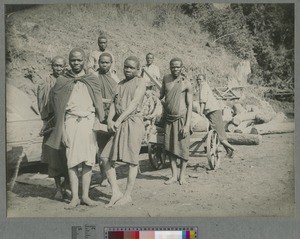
x: 244, y: 139
x: 238, y: 119
x: 273, y: 128
x: 245, y: 127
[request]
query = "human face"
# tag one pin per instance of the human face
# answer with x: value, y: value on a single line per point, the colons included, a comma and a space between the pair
x: 104, y: 64
x: 102, y: 43
x: 149, y: 59
x: 200, y: 79
x: 76, y: 62
x: 58, y: 67
x: 175, y: 67
x: 130, y: 69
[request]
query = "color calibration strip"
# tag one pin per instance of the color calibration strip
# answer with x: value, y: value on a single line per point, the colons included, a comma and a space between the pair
x: 151, y: 233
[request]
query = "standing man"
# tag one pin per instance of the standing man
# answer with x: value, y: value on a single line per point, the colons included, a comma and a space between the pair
x: 108, y: 86
x: 177, y: 91
x: 92, y: 63
x: 128, y: 129
x: 56, y: 160
x: 150, y: 70
x: 77, y: 104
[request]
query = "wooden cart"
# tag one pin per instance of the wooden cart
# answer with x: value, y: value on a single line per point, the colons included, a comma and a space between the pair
x: 209, y: 139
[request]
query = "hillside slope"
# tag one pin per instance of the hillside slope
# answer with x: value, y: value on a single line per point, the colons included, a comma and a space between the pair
x: 35, y: 35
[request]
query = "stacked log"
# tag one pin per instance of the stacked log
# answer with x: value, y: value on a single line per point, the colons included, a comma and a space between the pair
x: 199, y: 123
x: 244, y: 139
x: 244, y: 124
x: 252, y: 120
x: 238, y: 109
x: 241, y: 117
x: 245, y: 127
x: 273, y: 128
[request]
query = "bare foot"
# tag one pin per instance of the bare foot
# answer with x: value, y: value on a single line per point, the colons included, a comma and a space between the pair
x: 89, y: 202
x: 73, y: 204
x: 229, y: 153
x: 123, y: 201
x: 115, y: 197
x: 182, y: 181
x: 58, y: 195
x: 170, y: 181
x: 104, y: 182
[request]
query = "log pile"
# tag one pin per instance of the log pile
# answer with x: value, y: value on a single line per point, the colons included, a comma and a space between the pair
x: 246, y: 124
x: 254, y: 120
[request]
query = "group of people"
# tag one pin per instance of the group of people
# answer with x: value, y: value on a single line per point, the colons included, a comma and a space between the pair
x: 71, y: 101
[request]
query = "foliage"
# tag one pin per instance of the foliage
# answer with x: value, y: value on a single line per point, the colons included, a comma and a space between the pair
x: 263, y: 33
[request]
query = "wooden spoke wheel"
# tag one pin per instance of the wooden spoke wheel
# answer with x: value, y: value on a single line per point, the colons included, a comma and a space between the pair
x: 213, y: 154
x: 156, y: 155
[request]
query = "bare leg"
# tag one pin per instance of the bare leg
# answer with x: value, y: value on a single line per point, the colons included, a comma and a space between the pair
x: 112, y: 178
x: 103, y: 178
x: 229, y: 148
x: 59, y: 192
x: 66, y: 187
x: 173, y: 178
x: 182, y: 179
x: 74, y: 178
x: 86, y: 180
x: 133, y: 169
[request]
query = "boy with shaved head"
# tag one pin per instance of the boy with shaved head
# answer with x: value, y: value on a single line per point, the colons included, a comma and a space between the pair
x: 125, y: 121
x: 177, y: 91
x: 56, y: 160
x: 77, y: 104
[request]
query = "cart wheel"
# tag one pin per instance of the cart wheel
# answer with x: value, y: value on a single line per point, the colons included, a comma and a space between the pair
x: 213, y: 154
x: 156, y: 156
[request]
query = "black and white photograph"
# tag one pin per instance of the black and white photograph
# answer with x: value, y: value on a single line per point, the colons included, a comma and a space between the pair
x: 150, y: 110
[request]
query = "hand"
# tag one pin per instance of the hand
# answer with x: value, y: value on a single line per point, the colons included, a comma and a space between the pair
x: 43, y: 129
x: 185, y: 131
x: 111, y: 126
x: 201, y: 114
x: 117, y: 124
x: 65, y: 140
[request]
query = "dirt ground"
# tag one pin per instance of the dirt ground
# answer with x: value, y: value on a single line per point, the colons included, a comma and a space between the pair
x: 257, y: 182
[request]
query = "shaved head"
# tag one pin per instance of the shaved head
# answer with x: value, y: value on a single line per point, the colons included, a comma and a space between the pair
x: 176, y: 59
x: 77, y: 50
x: 58, y: 65
x: 57, y: 59
x: 105, y: 54
x: 135, y: 59
x: 102, y: 37
x: 150, y: 54
x: 77, y: 60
